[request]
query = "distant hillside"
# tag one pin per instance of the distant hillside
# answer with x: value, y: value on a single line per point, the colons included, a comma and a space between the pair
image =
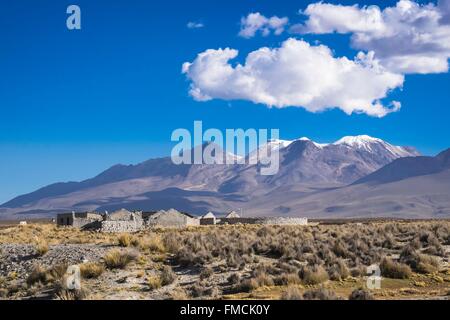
x: 306, y: 169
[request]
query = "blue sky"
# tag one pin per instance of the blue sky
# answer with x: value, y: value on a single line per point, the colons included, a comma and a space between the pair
x: 74, y: 103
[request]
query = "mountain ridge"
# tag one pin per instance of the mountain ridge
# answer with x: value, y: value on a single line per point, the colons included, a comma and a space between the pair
x: 305, y: 166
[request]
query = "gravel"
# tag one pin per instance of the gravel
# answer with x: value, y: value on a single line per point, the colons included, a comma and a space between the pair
x: 21, y: 259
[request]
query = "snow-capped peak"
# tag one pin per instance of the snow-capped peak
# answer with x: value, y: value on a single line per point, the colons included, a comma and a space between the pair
x: 366, y: 142
x: 361, y: 142
x: 318, y: 145
x: 270, y: 146
x: 358, y: 141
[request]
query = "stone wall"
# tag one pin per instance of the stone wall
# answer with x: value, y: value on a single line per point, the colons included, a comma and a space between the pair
x: 122, y: 226
x: 285, y: 221
x: 239, y: 221
x: 208, y: 221
x: 274, y: 221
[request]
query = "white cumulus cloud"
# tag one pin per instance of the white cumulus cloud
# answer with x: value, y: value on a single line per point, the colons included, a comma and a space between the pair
x: 295, y: 74
x: 194, y: 25
x: 256, y: 22
x: 406, y: 38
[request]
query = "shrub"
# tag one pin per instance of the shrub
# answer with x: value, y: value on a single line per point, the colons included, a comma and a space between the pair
x: 360, y: 294
x: 434, y: 247
x: 320, y: 294
x: 91, y: 270
x: 171, y: 242
x: 246, y: 285
x: 125, y: 240
x: 260, y: 279
x: 4, y: 293
x: 137, y: 242
x: 358, y: 271
x: 213, y: 292
x: 389, y: 242
x: 116, y: 259
x: 435, y: 250
x: 394, y: 270
x: 41, y: 247
x: 179, y: 294
x: 167, y: 276
x: 198, y: 290
x: 206, y: 273
x: 419, y: 262
x: 339, y: 250
x: 263, y: 279
x: 313, y: 275
x: 36, y: 275
x: 233, y: 278
x: 292, y: 293
x: 154, y: 282
x: 154, y: 243
x: 426, y: 268
x: 45, y: 276
x: 63, y: 293
x: 415, y: 243
x: 287, y: 279
x: 338, y: 270
x: 186, y: 257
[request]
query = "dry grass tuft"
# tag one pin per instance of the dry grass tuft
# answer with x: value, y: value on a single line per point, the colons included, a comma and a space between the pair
x: 116, y: 259
x: 41, y: 247
x: 125, y: 240
x: 313, y: 275
x: 154, y: 282
x: 63, y: 293
x: 206, y: 273
x: 179, y: 294
x: 420, y: 263
x: 320, y: 294
x: 46, y: 276
x: 91, y: 270
x: 292, y: 293
x: 287, y: 279
x: 394, y: 270
x: 360, y: 294
x: 154, y: 243
x: 167, y: 276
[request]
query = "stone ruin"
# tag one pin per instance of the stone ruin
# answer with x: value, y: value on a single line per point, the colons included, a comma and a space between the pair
x: 123, y: 221
x: 134, y: 221
x: 126, y: 221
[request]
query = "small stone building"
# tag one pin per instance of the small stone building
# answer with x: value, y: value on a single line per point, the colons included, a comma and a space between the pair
x: 78, y: 219
x: 123, y: 221
x: 172, y: 219
x: 208, y: 219
x: 120, y: 215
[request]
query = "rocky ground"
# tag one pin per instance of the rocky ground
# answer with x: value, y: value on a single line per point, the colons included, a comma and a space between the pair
x: 20, y: 259
x: 230, y: 262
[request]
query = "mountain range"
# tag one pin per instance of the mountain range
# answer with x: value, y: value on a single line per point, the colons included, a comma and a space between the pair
x: 353, y: 177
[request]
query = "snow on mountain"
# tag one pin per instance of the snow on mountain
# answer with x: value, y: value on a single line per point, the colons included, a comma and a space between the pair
x: 265, y: 149
x: 318, y: 145
x: 365, y: 142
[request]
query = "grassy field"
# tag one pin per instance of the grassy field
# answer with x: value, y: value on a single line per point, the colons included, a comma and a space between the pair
x: 230, y: 262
